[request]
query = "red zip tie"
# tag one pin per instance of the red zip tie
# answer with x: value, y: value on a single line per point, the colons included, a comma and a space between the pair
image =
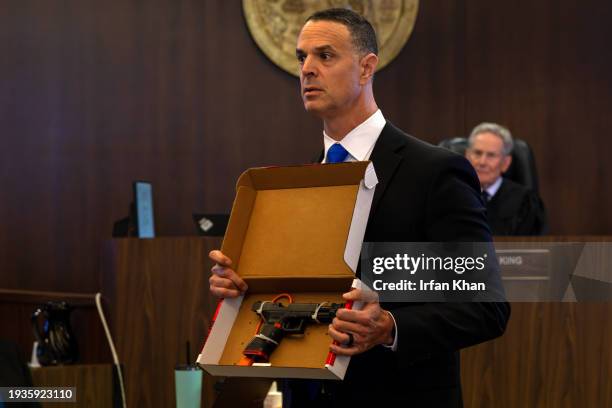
x: 212, y: 321
x: 331, y: 356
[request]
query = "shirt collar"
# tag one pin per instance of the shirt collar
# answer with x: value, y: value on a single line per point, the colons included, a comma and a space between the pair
x: 492, y: 189
x: 360, y: 141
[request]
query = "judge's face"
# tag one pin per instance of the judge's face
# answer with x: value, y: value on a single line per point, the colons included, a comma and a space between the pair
x: 487, y: 156
x: 329, y: 68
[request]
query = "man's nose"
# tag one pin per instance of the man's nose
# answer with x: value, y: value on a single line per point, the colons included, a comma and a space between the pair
x: 308, y: 67
x: 482, y: 160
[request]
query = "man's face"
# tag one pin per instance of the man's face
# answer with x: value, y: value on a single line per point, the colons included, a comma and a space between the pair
x: 330, y: 68
x: 487, y: 157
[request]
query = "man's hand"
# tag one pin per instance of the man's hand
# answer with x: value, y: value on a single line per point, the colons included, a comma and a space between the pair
x: 369, y: 326
x: 224, y: 281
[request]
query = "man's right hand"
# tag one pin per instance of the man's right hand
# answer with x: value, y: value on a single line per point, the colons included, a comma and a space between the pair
x: 224, y: 281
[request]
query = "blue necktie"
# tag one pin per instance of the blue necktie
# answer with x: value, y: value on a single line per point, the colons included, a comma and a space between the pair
x: 336, y: 153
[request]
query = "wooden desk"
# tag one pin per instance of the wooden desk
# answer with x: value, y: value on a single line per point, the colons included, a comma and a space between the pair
x: 156, y: 295
x: 552, y: 354
x: 94, y: 384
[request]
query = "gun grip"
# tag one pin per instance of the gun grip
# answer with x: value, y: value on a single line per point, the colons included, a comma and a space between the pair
x: 264, y: 343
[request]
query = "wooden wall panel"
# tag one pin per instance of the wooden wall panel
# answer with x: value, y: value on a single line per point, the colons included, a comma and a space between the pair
x: 94, y: 95
x: 422, y: 91
x: 541, y: 68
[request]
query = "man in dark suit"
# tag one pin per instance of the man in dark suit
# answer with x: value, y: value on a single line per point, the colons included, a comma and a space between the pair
x: 402, y: 353
x: 512, y: 209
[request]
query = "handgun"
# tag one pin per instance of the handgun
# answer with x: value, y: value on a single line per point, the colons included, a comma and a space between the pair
x: 279, y: 320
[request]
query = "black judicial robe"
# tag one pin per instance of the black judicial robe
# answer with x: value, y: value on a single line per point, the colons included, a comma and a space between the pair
x: 516, y: 210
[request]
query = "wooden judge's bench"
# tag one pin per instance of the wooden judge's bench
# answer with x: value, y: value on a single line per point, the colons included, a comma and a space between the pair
x: 156, y: 293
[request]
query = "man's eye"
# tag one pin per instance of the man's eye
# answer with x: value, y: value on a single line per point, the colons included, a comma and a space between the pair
x: 300, y: 59
x: 325, y: 55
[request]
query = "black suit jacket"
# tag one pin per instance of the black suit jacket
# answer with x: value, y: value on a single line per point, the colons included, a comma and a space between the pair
x: 516, y: 210
x: 425, y: 193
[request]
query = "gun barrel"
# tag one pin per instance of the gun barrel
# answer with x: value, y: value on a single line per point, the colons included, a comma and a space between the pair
x: 275, y: 312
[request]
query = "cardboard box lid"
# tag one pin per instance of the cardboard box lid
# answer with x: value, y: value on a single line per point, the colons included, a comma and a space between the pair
x: 300, y: 221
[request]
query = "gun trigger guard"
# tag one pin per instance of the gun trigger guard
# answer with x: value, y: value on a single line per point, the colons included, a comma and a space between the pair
x: 290, y: 329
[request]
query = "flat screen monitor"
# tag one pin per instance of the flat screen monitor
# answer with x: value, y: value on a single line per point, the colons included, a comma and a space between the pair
x: 143, y: 203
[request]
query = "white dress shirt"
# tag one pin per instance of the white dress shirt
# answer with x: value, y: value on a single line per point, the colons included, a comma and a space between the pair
x: 359, y: 143
x: 493, y: 188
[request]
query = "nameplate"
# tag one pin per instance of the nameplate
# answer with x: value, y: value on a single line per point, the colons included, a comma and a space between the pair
x: 524, y: 264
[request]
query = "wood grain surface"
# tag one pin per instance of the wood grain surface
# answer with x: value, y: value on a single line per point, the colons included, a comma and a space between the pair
x: 94, y: 384
x: 552, y: 355
x: 95, y: 95
x: 156, y: 294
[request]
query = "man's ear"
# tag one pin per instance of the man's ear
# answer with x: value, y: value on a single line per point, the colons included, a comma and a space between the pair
x: 506, y: 162
x: 368, y: 67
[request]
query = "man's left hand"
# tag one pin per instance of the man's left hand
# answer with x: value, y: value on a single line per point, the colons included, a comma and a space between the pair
x: 369, y: 326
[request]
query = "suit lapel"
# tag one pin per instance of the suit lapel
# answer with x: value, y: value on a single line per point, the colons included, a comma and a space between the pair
x: 319, y: 157
x: 386, y: 160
